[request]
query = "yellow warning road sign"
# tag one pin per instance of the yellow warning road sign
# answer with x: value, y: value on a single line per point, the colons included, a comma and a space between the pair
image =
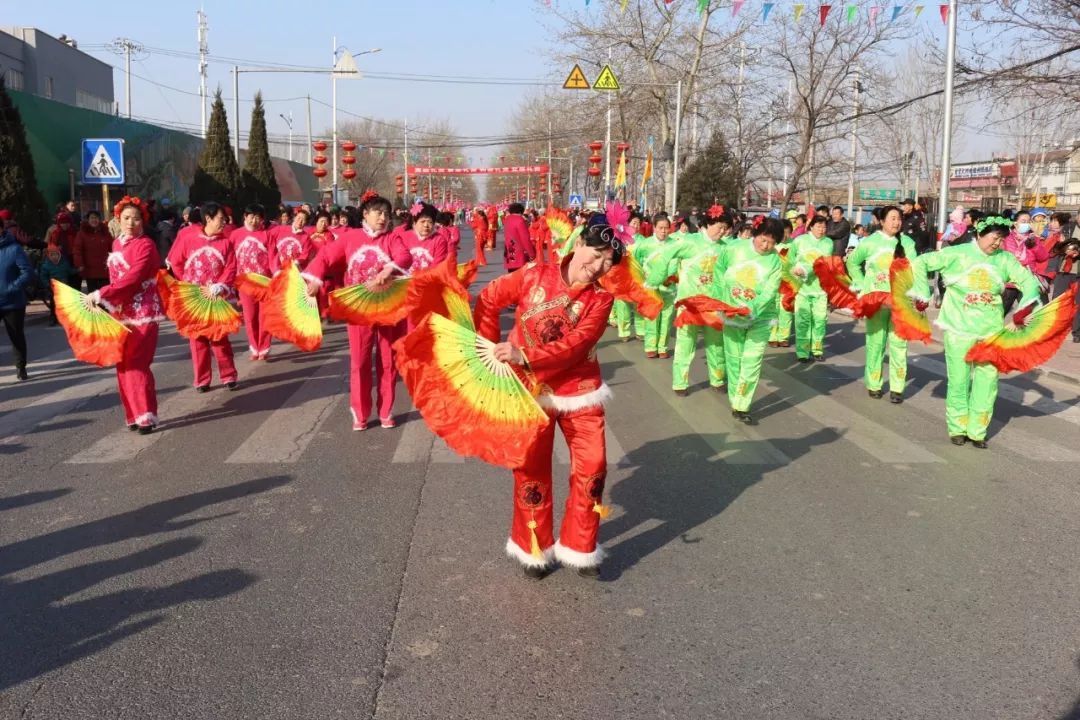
x: 606, y: 81
x: 576, y: 80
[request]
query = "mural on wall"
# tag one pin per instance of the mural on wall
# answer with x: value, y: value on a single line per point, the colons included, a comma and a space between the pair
x: 158, y: 162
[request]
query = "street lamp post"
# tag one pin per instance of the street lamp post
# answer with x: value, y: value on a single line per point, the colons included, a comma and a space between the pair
x: 345, y: 65
x: 288, y: 121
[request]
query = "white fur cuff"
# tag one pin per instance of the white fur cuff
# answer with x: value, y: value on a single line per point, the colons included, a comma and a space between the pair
x: 571, y: 403
x: 527, y: 559
x: 311, y: 278
x: 576, y: 559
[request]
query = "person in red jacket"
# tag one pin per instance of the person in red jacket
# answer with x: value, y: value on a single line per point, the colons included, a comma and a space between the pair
x: 540, y: 234
x: 208, y: 259
x: 561, y: 313
x: 290, y: 242
x: 518, y: 249
x: 91, y: 249
x: 480, y: 228
x: 424, y: 241
x: 132, y: 296
x: 250, y: 247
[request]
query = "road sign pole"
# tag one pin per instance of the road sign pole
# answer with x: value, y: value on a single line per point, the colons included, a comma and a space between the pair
x: 105, y: 211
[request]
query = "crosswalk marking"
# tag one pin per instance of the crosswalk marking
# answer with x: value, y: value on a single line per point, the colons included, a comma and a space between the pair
x: 284, y: 436
x: 715, y: 430
x: 441, y: 454
x: 415, y: 443
x: 18, y: 422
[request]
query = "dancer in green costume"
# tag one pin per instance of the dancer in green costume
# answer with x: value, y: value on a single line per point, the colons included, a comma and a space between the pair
x: 747, y: 274
x: 622, y: 312
x: 975, y: 274
x: 781, y: 331
x: 868, y: 265
x: 811, y: 306
x: 646, y: 251
x: 692, y: 258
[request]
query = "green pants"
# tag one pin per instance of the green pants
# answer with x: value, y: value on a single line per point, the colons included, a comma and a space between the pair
x: 624, y: 318
x: 656, y: 331
x: 971, y: 392
x: 781, y: 331
x: 879, y: 332
x: 744, y: 349
x: 811, y: 312
x: 686, y: 347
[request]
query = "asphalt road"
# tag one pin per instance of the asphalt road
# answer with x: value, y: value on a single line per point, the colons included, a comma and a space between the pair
x: 257, y: 559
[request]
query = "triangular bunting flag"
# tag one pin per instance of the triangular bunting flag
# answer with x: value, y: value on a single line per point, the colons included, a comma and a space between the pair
x: 623, y: 7
x: 896, y: 11
x: 736, y: 6
x: 852, y: 11
x: 799, y: 11
x: 944, y: 10
x: 823, y: 12
x: 766, y: 8
x: 874, y: 11
x: 702, y: 6
x: 919, y: 9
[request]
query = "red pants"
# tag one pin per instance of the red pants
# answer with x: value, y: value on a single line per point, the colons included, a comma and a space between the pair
x: 362, y: 340
x: 138, y: 393
x: 480, y: 259
x: 200, y: 358
x: 577, y: 547
x: 258, y: 339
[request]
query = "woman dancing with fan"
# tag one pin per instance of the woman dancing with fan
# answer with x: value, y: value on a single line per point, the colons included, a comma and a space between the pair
x: 561, y: 313
x: 290, y: 243
x: 250, y: 245
x: 423, y: 241
x: 132, y: 296
x: 868, y: 265
x: 207, y: 258
x: 369, y: 256
x: 975, y: 274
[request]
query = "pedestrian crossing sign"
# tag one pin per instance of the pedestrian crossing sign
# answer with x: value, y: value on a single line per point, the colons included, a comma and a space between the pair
x: 576, y: 80
x: 606, y: 81
x: 103, y: 161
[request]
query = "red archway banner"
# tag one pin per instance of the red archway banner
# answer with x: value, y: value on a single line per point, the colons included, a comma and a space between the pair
x: 507, y: 170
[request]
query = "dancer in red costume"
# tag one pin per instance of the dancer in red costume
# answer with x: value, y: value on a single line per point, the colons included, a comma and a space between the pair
x: 480, y: 227
x: 424, y: 241
x: 366, y: 255
x: 561, y: 313
x: 207, y: 259
x: 250, y: 246
x: 451, y: 231
x: 132, y: 296
x: 320, y: 237
x: 290, y: 242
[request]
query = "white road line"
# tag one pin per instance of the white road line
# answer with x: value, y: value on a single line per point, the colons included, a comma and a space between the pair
x: 441, y: 454
x: 415, y: 443
x: 718, y: 433
x: 18, y: 422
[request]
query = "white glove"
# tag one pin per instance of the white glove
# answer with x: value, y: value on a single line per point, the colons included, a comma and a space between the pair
x: 94, y: 298
x: 219, y: 289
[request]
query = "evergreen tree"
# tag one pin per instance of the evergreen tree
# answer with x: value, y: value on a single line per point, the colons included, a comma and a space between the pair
x: 714, y: 176
x: 19, y: 191
x: 217, y: 176
x: 259, y: 183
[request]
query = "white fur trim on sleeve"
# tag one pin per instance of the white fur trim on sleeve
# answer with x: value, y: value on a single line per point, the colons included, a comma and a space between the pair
x: 571, y: 403
x: 311, y: 278
x: 915, y: 296
x: 578, y: 559
x: 527, y: 559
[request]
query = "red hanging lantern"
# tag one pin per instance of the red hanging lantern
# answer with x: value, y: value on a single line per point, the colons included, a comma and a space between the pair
x: 348, y: 173
x: 348, y: 146
x: 349, y: 159
x: 319, y: 146
x: 595, y: 159
x: 319, y: 172
x: 399, y: 185
x: 623, y: 147
x: 319, y: 159
x: 596, y: 146
x: 594, y: 171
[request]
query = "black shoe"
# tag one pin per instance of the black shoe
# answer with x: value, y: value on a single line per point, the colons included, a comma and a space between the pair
x: 958, y: 439
x: 981, y: 444
x: 742, y: 417
x: 202, y: 388
x: 20, y: 374
x: 133, y: 427
x: 682, y: 392
x: 877, y: 394
x: 803, y: 360
x: 819, y: 358
x: 232, y: 386
x: 1076, y: 338
x: 896, y: 398
x: 721, y: 388
x: 591, y: 573
x: 536, y: 573
x: 146, y: 429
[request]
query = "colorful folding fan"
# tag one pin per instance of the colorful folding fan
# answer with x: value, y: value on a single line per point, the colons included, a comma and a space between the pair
x: 290, y: 314
x: 466, y: 273
x: 477, y: 404
x: 869, y: 303
x: 626, y: 281
x: 254, y: 284
x: 559, y: 224
x: 789, y: 283
x: 835, y: 281
x: 1020, y: 349
x: 428, y: 290
x: 704, y: 310
x: 95, y: 336
x: 360, y: 306
x: 908, y: 321
x: 196, y: 312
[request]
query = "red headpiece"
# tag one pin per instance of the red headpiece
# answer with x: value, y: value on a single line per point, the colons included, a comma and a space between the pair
x: 133, y: 202
x: 757, y: 222
x: 369, y: 194
x: 715, y: 211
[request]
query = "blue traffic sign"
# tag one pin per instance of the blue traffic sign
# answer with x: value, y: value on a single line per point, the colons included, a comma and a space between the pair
x: 103, y: 161
x: 575, y: 201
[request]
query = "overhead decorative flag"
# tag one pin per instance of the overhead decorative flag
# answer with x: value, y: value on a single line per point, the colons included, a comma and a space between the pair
x: 897, y: 9
x: 852, y: 11
x: 766, y: 8
x: 620, y: 171
x: 702, y: 6
x: 918, y: 10
x: 823, y: 11
x: 944, y: 10
x: 736, y: 6
x: 874, y: 11
x: 623, y: 7
x: 799, y: 11
x: 646, y: 175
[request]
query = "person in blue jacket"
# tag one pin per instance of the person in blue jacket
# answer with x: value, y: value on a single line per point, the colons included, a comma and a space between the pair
x: 15, y: 275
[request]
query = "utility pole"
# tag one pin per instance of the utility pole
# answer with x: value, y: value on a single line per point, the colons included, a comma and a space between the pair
x: 405, y: 158
x: 204, y: 30
x: 854, y: 148
x: 946, y: 142
x: 309, y: 140
x: 550, y: 190
x: 236, y: 111
x: 675, y: 154
x: 607, y: 143
x: 288, y: 121
x: 125, y: 47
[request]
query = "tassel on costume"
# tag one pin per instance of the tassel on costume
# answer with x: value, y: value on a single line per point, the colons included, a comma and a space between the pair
x: 602, y: 510
x: 534, y: 542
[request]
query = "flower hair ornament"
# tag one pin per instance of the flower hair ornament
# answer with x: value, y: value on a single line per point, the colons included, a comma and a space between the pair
x: 716, y: 211
x: 416, y: 209
x: 611, y: 236
x: 757, y: 222
x: 133, y: 202
x: 992, y: 222
x: 369, y: 194
x: 618, y: 217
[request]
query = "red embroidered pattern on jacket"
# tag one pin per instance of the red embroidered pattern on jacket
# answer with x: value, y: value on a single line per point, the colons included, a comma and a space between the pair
x: 204, y: 266
x: 365, y: 263
x: 252, y: 256
x: 145, y: 306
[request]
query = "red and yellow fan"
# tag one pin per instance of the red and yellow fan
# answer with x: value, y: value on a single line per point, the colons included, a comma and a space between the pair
x: 95, y: 336
x: 466, y: 273
x: 908, y: 321
x: 254, y: 284
x: 626, y: 281
x: 195, y: 311
x: 477, y: 404
x: 290, y: 314
x: 1020, y: 349
x: 789, y: 284
x: 704, y: 310
x: 561, y: 228
x: 429, y: 289
x: 835, y: 281
x: 360, y: 306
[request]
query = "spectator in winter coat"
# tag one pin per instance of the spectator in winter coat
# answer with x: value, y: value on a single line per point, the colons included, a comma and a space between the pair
x: 53, y: 266
x: 165, y: 234
x: 93, y: 243
x: 62, y: 234
x: 1025, y: 246
x: 913, y: 224
x: 15, y: 276
x: 838, y: 229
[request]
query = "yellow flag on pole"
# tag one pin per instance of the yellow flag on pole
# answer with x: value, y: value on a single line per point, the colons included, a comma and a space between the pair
x: 646, y: 176
x: 620, y: 173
